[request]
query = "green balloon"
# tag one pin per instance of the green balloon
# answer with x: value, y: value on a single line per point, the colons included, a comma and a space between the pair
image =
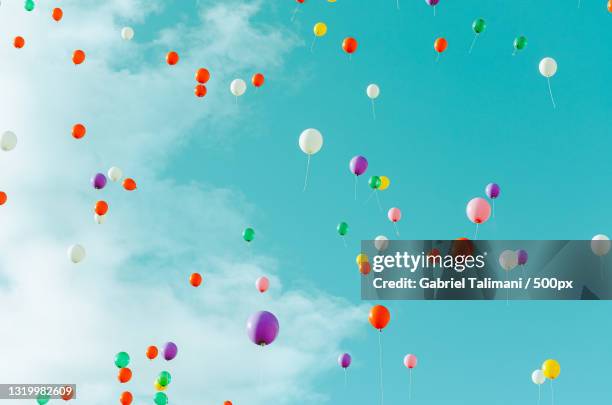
x: 342, y: 228
x: 122, y: 359
x: 42, y: 399
x: 479, y: 25
x: 374, y: 182
x: 29, y: 5
x: 164, y: 378
x: 520, y: 43
x: 248, y: 234
x: 160, y: 398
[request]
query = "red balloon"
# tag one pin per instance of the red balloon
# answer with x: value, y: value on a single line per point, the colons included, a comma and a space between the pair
x: 257, y: 80
x: 78, y: 57
x: 379, y: 317
x: 364, y: 268
x: 349, y: 45
x: 202, y: 75
x: 129, y: 184
x: 18, y: 42
x: 2, y: 197
x: 125, y: 375
x: 78, y: 131
x: 440, y: 45
x: 126, y: 398
x: 230, y: 402
x: 200, y: 90
x: 57, y: 14
x: 301, y: 2
x: 101, y: 207
x: 152, y: 352
x: 195, y: 279
x: 172, y: 58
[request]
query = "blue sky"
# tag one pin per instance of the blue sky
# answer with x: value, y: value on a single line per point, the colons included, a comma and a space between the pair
x: 208, y: 168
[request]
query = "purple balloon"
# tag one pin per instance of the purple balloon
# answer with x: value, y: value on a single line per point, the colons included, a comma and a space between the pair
x: 344, y: 360
x: 432, y: 2
x: 522, y: 257
x: 170, y: 351
x: 492, y: 190
x: 98, y: 181
x: 358, y: 165
x: 262, y: 328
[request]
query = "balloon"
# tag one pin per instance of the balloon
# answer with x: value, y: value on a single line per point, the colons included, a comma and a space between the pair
x: 78, y: 57
x: 410, y: 361
x: 18, y: 42
x: 262, y: 328
x: 600, y: 245
x: 42, y: 399
x: 479, y: 25
x: 125, y: 375
x: 373, y: 91
x: 610, y: 6
x: 127, y: 33
x: 362, y: 258
x: 311, y: 141
x: 508, y: 259
x: 200, y: 90
x: 394, y: 214
x: 230, y: 402
x: 172, y: 58
x: 8, y: 141
x: 432, y: 2
x: 379, y: 317
x: 538, y: 377
x: 492, y: 190
x: 320, y: 29
x: 129, y: 184
x: 76, y: 253
x: 152, y: 352
x: 374, y: 182
x: 381, y: 243
x: 440, y: 45
x: 202, y: 75
x: 262, y: 284
x: 548, y: 67
x: 478, y: 210
x: 342, y: 228
x: 344, y: 360
x: 99, y: 219
x: 238, y: 87
x: 98, y: 181
x: 114, y: 173
x: 122, y: 359
x: 3, y: 197
x: 520, y: 43
x: 358, y: 165
x: 195, y: 279
x: 126, y: 398
x: 57, y: 14
x: 521, y: 257
x: 160, y: 398
x: 164, y: 378
x: 101, y: 207
x: 248, y: 234
x: 257, y: 80
x: 29, y: 6
x: 158, y: 387
x: 551, y: 369
x: 170, y: 351
x: 364, y: 268
x: 384, y: 182
x: 349, y: 45
x: 78, y: 131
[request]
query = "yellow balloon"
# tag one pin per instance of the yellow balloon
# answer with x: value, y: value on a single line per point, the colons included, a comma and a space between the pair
x: 320, y: 29
x: 331, y: 1
x: 551, y: 369
x: 362, y: 258
x: 384, y: 183
x: 159, y: 387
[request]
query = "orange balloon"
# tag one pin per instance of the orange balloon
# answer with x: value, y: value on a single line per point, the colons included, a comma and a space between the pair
x: 2, y: 197
x: 125, y: 375
x: 101, y: 207
x: 200, y: 90
x: 610, y: 6
x: 126, y: 398
x: 78, y: 131
x: 202, y: 75
x: 440, y: 45
x: 364, y: 268
x: 172, y: 58
x: 152, y: 352
x: 57, y: 14
x: 230, y: 402
x: 379, y: 317
x: 129, y: 184
x: 349, y: 45
x: 257, y: 80
x: 78, y: 57
x: 18, y: 42
x: 195, y: 279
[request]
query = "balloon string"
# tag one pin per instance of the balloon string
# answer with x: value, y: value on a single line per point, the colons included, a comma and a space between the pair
x: 294, y: 13
x: 507, y: 289
x: 355, y: 187
x: 539, y: 393
x: 550, y: 91
x: 578, y: 3
x: 313, y: 44
x: 438, y: 57
x: 370, y: 196
x: 434, y: 11
x: 493, y: 211
x: 601, y: 267
x: 344, y: 241
x: 378, y: 200
x: 373, y: 109
x: 307, y: 170
x: 396, y: 230
x: 473, y: 42
x: 476, y: 233
x: 382, y: 393
x: 345, y: 378
x: 398, y: 5
x: 552, y: 393
x: 514, y: 52
x: 236, y: 100
x: 410, y: 384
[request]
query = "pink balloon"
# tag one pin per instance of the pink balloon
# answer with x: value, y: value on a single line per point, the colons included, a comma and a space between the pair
x: 262, y: 284
x: 478, y: 210
x: 394, y: 214
x: 410, y: 361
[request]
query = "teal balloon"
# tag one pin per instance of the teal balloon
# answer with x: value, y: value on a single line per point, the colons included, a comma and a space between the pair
x: 374, y: 182
x: 342, y: 228
x: 520, y: 43
x: 122, y: 359
x: 248, y: 234
x: 479, y: 25
x: 42, y: 399
x: 29, y: 5
x: 164, y: 378
x: 160, y: 398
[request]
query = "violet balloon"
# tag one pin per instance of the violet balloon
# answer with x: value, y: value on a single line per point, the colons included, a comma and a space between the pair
x: 522, y: 257
x: 432, y: 2
x: 344, y: 360
x: 262, y: 328
x: 358, y: 165
x: 492, y: 190
x: 98, y: 181
x: 170, y: 351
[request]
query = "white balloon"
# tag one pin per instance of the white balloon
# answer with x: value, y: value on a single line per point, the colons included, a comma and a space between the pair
x: 548, y: 67
x: 508, y: 259
x: 373, y: 91
x: 127, y: 33
x: 99, y: 219
x: 8, y: 141
x: 600, y: 245
x: 381, y: 243
x: 311, y: 141
x: 76, y: 253
x: 115, y: 173
x: 238, y: 87
x: 538, y: 377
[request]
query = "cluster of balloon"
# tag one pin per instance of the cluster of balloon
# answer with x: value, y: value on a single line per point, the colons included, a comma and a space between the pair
x: 319, y: 30
x: 122, y: 360
x: 19, y: 42
x: 262, y: 328
x: 342, y: 229
x: 548, y: 68
x: 344, y: 361
x: 349, y: 45
x: 76, y: 253
x: 410, y: 361
x: 478, y: 26
x: 373, y: 91
x: 550, y: 370
x: 262, y: 284
x: 8, y: 141
x: 433, y: 3
x: 78, y: 57
x: 57, y: 14
x: 248, y: 235
x: 363, y: 262
x: 519, y: 44
x: 379, y: 317
x: 440, y: 45
x: 127, y: 33
x: 297, y: 9
x: 358, y: 166
x: 600, y: 245
x: 201, y: 76
x: 172, y: 58
x: 394, y: 214
x: 492, y: 191
x: 478, y: 211
x: 238, y: 87
x: 195, y: 279
x: 310, y: 142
